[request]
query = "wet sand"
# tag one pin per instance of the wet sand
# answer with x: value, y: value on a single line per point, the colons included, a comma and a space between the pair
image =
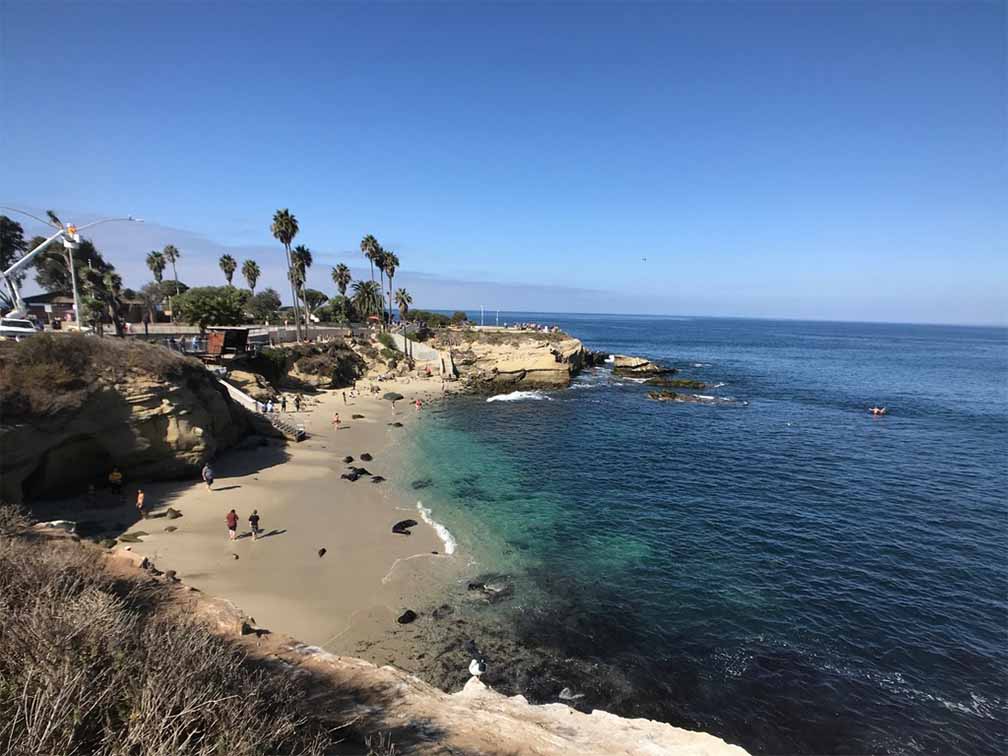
x: 346, y: 601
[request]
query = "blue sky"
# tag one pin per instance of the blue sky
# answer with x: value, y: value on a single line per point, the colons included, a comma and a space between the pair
x: 810, y: 160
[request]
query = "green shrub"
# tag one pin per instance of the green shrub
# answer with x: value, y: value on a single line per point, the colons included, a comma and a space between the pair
x: 388, y: 354
x: 387, y: 341
x: 458, y: 317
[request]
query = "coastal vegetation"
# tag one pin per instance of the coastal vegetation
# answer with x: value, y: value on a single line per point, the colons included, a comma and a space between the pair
x: 107, y: 662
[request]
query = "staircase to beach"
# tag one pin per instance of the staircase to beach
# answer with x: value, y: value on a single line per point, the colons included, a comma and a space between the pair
x: 292, y: 431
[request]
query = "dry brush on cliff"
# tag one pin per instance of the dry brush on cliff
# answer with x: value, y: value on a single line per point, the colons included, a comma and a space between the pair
x: 97, y: 662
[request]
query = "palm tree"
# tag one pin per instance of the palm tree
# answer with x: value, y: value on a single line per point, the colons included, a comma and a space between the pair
x: 341, y: 277
x: 369, y: 246
x: 391, y: 263
x: 229, y: 266
x: 301, y: 259
x: 156, y: 262
x: 284, y: 229
x: 381, y: 258
x: 251, y: 272
x: 403, y: 301
x: 367, y: 298
x: 171, y: 254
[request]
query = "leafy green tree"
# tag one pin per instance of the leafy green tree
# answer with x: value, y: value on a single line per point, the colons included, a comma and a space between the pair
x: 172, y: 255
x: 403, y: 301
x: 229, y: 266
x: 284, y: 229
x: 342, y: 309
x: 156, y: 262
x: 314, y: 299
x: 152, y: 295
x: 341, y: 277
x: 52, y: 266
x: 264, y: 306
x: 251, y: 273
x: 12, y: 248
x: 211, y: 305
x: 459, y: 317
x: 367, y: 298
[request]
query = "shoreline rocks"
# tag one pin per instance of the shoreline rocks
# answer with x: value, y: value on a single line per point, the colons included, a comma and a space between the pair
x: 638, y: 367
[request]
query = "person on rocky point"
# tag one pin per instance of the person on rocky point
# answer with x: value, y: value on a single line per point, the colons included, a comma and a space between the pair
x: 140, y: 503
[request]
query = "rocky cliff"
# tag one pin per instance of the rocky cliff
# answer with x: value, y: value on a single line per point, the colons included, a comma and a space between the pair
x: 506, y: 360
x: 73, y: 406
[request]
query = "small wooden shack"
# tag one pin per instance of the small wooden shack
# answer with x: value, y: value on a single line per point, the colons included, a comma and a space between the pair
x: 223, y: 340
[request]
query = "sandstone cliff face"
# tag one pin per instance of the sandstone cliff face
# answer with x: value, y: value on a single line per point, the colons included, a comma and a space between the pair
x: 154, y: 414
x: 499, y: 360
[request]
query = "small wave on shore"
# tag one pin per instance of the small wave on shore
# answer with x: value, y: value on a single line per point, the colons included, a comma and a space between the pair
x: 443, y: 533
x: 517, y: 396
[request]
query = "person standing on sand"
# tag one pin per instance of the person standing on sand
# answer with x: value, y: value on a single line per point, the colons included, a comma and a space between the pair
x: 283, y: 402
x: 297, y: 402
x: 254, y: 523
x: 344, y: 397
x: 208, y: 476
x: 335, y: 421
x: 140, y: 503
x: 232, y: 523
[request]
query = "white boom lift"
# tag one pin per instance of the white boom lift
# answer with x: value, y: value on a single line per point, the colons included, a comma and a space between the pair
x: 69, y: 235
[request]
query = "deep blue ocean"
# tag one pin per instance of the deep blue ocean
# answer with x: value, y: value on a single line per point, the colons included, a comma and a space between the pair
x: 784, y: 570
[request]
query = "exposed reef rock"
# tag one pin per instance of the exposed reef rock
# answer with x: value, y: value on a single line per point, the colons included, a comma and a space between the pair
x: 638, y: 367
x: 675, y: 383
x: 672, y: 396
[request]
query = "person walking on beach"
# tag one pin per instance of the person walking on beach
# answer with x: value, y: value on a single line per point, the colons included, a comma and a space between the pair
x: 335, y: 421
x: 208, y: 476
x: 283, y: 403
x: 254, y: 523
x: 232, y: 523
x: 297, y: 403
x: 115, y: 480
x: 344, y: 397
x: 140, y: 503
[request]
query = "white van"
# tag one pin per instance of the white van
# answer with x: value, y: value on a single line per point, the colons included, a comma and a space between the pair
x: 16, y: 328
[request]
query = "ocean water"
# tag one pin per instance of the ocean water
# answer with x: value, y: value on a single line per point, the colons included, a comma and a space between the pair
x: 782, y: 570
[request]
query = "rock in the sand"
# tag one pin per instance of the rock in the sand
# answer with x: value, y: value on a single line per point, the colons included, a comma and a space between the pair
x: 365, y: 457
x: 321, y: 553
x: 234, y: 556
x: 351, y: 476
x: 170, y: 576
x: 396, y: 425
x: 356, y: 417
x: 423, y: 483
x: 173, y: 514
x: 348, y: 459
x: 131, y: 537
x: 170, y: 529
x: 406, y: 617
x: 569, y: 695
x: 442, y: 611
x: 377, y: 479
x: 361, y: 471
x: 402, y: 527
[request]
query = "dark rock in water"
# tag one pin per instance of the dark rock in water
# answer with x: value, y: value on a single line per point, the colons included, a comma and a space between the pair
x: 321, y: 553
x: 402, y: 527
x: 170, y: 529
x: 475, y: 586
x: 424, y: 483
x: 173, y: 514
x: 492, y: 588
x: 675, y: 383
x: 348, y: 459
x: 672, y: 396
x: 442, y: 611
x: 365, y: 457
x: 377, y: 479
x: 356, y: 417
x: 396, y: 425
x: 406, y: 617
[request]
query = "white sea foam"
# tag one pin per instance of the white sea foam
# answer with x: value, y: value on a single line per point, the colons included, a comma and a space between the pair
x: 517, y: 396
x: 719, y: 385
x: 587, y: 385
x: 705, y: 397
x: 610, y: 358
x: 701, y: 364
x: 446, y: 537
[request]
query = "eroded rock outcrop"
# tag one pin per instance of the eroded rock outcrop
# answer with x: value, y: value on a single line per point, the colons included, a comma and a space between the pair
x: 627, y: 365
x: 73, y: 407
x: 502, y: 360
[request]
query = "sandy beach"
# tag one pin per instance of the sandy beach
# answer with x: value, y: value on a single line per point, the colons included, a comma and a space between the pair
x: 346, y: 601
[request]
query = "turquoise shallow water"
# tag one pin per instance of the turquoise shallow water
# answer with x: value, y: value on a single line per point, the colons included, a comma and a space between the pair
x: 789, y: 573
